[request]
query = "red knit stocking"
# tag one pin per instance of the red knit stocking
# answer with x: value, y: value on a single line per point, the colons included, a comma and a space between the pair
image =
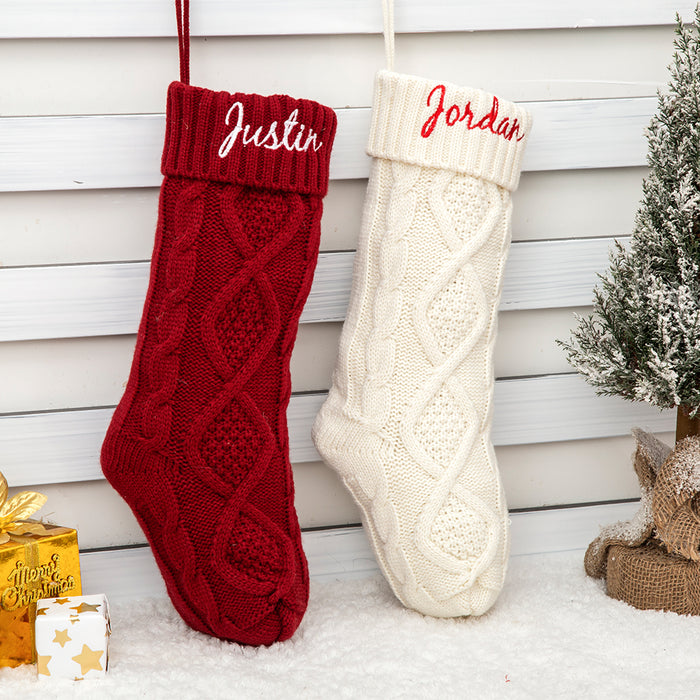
x: 198, y: 445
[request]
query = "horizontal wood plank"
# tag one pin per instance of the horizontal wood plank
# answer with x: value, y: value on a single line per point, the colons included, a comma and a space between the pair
x: 40, y: 228
x: 110, y: 18
x: 551, y: 474
x: 66, y: 301
x: 345, y: 553
x: 106, y: 76
x: 72, y: 373
x: 63, y: 446
x: 559, y: 473
x: 107, y: 151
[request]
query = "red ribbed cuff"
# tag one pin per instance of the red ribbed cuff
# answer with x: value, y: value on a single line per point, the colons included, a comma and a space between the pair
x: 275, y: 142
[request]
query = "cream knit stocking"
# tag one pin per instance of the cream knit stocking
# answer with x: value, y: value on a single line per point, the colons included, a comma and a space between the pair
x: 407, y: 420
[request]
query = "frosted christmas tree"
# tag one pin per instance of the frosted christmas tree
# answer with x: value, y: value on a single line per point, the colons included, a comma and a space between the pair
x: 642, y: 341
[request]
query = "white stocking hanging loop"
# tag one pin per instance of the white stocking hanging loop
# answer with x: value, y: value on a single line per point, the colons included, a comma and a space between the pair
x: 388, y: 15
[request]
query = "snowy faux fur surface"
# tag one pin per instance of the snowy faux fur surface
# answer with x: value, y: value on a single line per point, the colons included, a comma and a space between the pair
x: 553, y: 633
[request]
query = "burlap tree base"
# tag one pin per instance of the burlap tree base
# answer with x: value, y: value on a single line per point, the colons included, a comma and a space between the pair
x: 649, y: 578
x: 653, y: 561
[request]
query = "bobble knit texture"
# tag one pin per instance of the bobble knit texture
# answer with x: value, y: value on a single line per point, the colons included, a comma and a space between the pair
x: 198, y: 445
x: 407, y: 421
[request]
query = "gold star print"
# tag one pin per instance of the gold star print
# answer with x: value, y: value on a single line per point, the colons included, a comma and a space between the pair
x: 88, y: 659
x: 42, y: 665
x: 73, y: 619
x: 85, y: 607
x: 62, y: 601
x: 62, y: 637
x: 41, y: 611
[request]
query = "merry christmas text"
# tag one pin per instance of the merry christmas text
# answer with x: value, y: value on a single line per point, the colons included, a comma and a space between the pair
x: 31, y: 583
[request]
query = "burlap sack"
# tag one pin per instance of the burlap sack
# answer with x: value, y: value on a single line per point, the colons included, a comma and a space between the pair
x: 649, y: 456
x: 653, y: 561
x: 676, y: 500
x: 649, y: 578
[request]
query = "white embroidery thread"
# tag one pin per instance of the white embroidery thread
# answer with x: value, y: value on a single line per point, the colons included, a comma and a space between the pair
x: 271, y: 140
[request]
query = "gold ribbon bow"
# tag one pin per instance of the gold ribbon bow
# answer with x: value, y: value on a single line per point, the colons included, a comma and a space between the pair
x: 15, y: 511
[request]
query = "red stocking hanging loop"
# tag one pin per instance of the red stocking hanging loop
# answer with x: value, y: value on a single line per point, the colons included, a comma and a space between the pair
x: 182, y: 8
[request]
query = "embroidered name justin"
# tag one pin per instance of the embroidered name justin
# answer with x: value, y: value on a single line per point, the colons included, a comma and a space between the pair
x: 506, y: 128
x: 302, y: 140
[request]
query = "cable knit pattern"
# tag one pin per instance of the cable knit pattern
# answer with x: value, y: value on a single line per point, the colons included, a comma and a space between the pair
x: 198, y: 446
x: 179, y: 274
x: 408, y: 417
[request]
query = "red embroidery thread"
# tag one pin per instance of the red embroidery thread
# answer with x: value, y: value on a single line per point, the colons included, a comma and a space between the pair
x: 505, y: 128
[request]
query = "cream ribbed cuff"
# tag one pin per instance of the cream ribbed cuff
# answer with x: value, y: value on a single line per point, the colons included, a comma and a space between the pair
x: 441, y: 125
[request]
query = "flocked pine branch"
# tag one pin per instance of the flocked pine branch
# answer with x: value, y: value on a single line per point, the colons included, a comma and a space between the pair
x: 642, y: 341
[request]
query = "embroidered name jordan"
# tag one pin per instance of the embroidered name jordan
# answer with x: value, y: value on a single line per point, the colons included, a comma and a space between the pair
x: 508, y: 128
x: 295, y: 136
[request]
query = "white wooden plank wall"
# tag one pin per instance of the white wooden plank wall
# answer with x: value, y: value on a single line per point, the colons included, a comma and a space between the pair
x: 79, y: 18
x: 80, y: 138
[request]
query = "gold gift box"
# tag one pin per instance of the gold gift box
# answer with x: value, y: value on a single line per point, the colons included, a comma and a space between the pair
x: 38, y: 561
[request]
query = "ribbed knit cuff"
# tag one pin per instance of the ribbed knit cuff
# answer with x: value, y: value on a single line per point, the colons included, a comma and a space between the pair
x: 275, y: 142
x: 441, y: 125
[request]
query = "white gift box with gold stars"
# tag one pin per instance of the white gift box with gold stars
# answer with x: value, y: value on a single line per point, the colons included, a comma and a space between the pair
x: 72, y: 636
